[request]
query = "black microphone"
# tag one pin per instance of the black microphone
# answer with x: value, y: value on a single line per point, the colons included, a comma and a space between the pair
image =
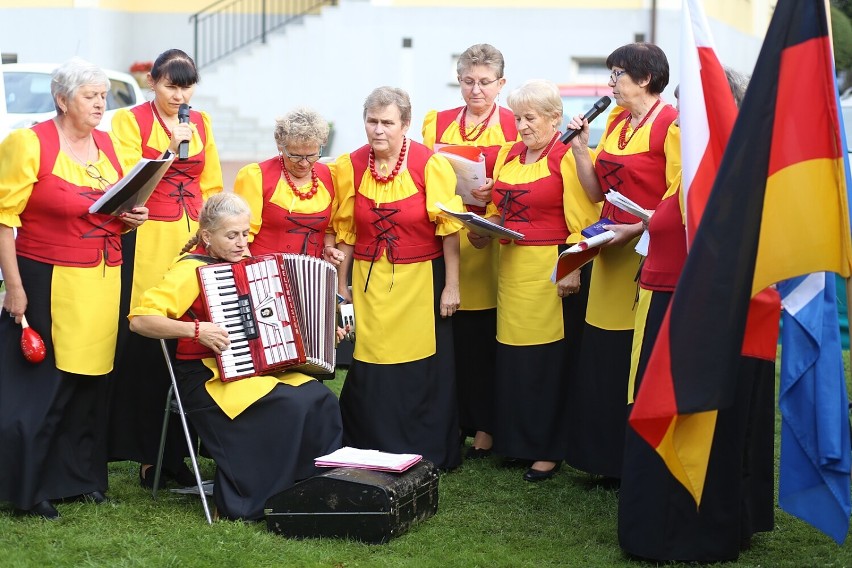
x: 183, y: 118
x: 590, y: 115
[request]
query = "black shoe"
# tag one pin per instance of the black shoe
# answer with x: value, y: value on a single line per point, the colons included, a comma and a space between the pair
x: 43, y: 509
x: 146, y: 476
x: 533, y: 475
x: 183, y: 476
x: 474, y: 453
x: 515, y: 462
x: 95, y: 497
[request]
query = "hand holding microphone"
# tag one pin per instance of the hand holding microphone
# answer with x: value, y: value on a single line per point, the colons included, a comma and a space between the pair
x: 589, y: 115
x: 183, y: 118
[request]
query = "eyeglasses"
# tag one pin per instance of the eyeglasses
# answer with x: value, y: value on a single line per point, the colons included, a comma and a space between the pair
x: 95, y: 173
x: 296, y: 158
x: 613, y: 77
x: 469, y: 83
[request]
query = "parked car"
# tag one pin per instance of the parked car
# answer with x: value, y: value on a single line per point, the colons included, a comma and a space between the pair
x: 578, y: 99
x: 846, y: 115
x: 28, y: 99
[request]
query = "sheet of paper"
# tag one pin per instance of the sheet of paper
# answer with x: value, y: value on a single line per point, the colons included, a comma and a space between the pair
x: 469, y: 164
x: 626, y: 204
x: 367, y: 459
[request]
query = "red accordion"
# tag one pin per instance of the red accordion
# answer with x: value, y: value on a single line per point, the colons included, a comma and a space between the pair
x: 278, y: 310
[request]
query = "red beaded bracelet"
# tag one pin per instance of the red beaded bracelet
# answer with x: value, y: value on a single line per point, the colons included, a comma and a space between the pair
x: 197, y: 331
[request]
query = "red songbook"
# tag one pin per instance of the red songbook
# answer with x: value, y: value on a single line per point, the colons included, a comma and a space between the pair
x: 569, y: 262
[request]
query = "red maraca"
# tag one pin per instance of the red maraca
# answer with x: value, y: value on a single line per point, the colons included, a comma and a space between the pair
x: 31, y: 343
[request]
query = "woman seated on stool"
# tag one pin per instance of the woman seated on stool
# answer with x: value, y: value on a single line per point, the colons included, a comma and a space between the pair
x: 263, y: 432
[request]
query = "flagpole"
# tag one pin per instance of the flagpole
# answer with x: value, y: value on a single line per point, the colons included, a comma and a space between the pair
x: 846, y: 165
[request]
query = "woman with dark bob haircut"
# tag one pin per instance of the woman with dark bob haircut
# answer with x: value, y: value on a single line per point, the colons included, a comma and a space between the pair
x: 638, y: 156
x: 149, y: 130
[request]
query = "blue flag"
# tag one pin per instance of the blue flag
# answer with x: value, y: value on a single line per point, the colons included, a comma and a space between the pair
x: 814, y: 482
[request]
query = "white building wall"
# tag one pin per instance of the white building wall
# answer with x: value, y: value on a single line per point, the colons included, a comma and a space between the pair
x: 332, y: 61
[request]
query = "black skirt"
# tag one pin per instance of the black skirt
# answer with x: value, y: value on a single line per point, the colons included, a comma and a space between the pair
x: 266, y: 448
x: 52, y: 423
x: 407, y: 407
x: 531, y: 388
x: 138, y: 386
x: 597, y: 402
x: 475, y: 344
x: 658, y: 518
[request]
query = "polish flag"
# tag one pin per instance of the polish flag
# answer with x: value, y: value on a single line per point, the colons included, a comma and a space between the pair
x: 707, y: 112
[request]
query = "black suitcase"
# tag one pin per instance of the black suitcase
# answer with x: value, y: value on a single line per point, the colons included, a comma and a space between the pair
x: 370, y: 506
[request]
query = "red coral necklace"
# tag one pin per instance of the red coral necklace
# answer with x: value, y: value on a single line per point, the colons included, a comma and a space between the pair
x: 160, y: 120
x: 523, y: 156
x: 623, y: 140
x: 314, y: 181
x: 477, y: 129
x: 372, y: 163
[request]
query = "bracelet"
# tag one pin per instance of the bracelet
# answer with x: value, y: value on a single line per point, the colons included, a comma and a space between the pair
x: 197, y: 331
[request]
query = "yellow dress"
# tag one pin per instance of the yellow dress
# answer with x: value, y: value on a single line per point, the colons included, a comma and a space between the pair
x: 84, y: 301
x: 477, y: 267
x: 393, y: 315
x: 171, y: 298
x: 159, y: 242
x: 644, y: 170
x: 399, y: 395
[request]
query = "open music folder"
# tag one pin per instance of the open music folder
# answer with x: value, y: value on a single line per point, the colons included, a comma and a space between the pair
x: 469, y: 165
x: 479, y: 225
x: 368, y: 459
x: 134, y: 188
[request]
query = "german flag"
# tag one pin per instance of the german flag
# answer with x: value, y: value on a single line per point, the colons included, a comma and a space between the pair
x: 778, y: 209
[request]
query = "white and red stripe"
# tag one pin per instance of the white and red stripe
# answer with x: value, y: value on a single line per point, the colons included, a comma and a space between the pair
x: 707, y: 112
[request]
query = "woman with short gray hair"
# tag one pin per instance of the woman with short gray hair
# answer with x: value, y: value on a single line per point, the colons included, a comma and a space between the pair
x: 64, y: 273
x: 292, y: 195
x: 399, y: 395
x: 536, y: 193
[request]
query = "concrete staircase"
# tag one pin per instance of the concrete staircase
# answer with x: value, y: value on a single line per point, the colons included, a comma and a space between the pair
x: 243, y: 134
x: 239, y: 137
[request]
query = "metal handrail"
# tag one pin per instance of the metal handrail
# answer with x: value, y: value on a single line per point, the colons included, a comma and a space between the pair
x: 226, y: 26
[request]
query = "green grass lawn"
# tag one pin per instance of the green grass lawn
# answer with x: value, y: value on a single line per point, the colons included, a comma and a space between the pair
x: 487, y: 516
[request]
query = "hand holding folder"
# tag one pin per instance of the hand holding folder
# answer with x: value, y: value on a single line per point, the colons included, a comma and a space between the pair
x: 134, y: 188
x: 469, y: 165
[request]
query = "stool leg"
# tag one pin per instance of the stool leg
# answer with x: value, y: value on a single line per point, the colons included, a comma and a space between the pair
x: 158, y: 468
x: 186, y: 434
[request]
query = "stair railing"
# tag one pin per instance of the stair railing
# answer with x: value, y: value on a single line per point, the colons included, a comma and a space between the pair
x: 226, y: 26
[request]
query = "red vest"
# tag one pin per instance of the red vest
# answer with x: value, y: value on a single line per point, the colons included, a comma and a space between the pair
x: 56, y: 226
x: 179, y: 190
x: 663, y: 266
x: 402, y: 229
x: 507, y: 124
x: 187, y: 347
x: 535, y: 209
x: 667, y: 248
x: 641, y: 177
x: 286, y: 231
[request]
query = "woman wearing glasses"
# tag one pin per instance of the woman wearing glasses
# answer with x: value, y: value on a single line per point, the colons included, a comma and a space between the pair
x: 482, y: 123
x: 148, y: 131
x: 63, y: 273
x: 638, y: 156
x: 292, y: 195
